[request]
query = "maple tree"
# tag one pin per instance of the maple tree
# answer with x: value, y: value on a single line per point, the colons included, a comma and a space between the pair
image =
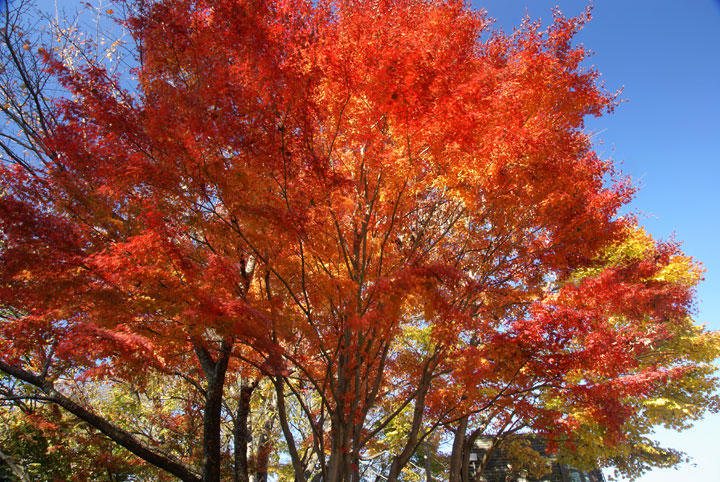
x: 40, y: 443
x: 652, y: 275
x: 339, y: 231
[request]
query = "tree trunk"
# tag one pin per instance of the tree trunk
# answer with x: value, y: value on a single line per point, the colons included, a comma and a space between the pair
x: 211, y: 431
x: 289, y: 438
x: 427, y: 449
x: 215, y: 375
x: 456, y: 456
x: 403, y: 457
x: 262, y: 456
x: 335, y: 462
x: 241, y: 432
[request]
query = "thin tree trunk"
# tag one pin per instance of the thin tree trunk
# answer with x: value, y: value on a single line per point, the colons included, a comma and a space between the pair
x: 456, y: 457
x: 262, y: 456
x: 241, y: 432
x: 339, y: 423
x: 282, y: 415
x: 426, y: 461
x: 482, y: 463
x: 215, y: 375
x: 403, y: 458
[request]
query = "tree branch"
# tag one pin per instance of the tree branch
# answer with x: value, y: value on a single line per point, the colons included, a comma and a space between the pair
x: 118, y: 435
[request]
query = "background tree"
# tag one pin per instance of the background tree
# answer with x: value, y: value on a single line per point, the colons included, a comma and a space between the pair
x: 370, y: 219
x: 652, y: 275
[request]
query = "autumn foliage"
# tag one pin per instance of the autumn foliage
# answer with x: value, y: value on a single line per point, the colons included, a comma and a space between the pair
x: 349, y: 228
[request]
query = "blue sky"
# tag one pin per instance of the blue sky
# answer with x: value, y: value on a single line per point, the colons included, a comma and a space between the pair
x: 666, y: 55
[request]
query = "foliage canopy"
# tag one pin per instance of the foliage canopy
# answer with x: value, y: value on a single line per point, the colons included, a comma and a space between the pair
x: 332, y: 233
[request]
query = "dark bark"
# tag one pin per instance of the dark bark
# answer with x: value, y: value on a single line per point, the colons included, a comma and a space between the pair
x: 335, y: 462
x: 456, y: 456
x: 215, y: 375
x: 413, y: 438
x: 289, y: 439
x: 261, y: 460
x: 427, y: 450
x: 255, y: 467
x: 403, y: 458
x: 116, y: 434
x: 241, y: 432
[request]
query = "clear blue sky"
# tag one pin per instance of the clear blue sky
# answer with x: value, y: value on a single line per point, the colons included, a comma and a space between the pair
x: 666, y: 55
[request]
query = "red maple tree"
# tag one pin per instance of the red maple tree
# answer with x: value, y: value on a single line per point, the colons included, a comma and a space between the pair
x: 379, y: 209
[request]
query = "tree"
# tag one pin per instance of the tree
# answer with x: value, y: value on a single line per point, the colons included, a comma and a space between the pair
x: 655, y: 278
x: 368, y: 218
x: 39, y: 442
